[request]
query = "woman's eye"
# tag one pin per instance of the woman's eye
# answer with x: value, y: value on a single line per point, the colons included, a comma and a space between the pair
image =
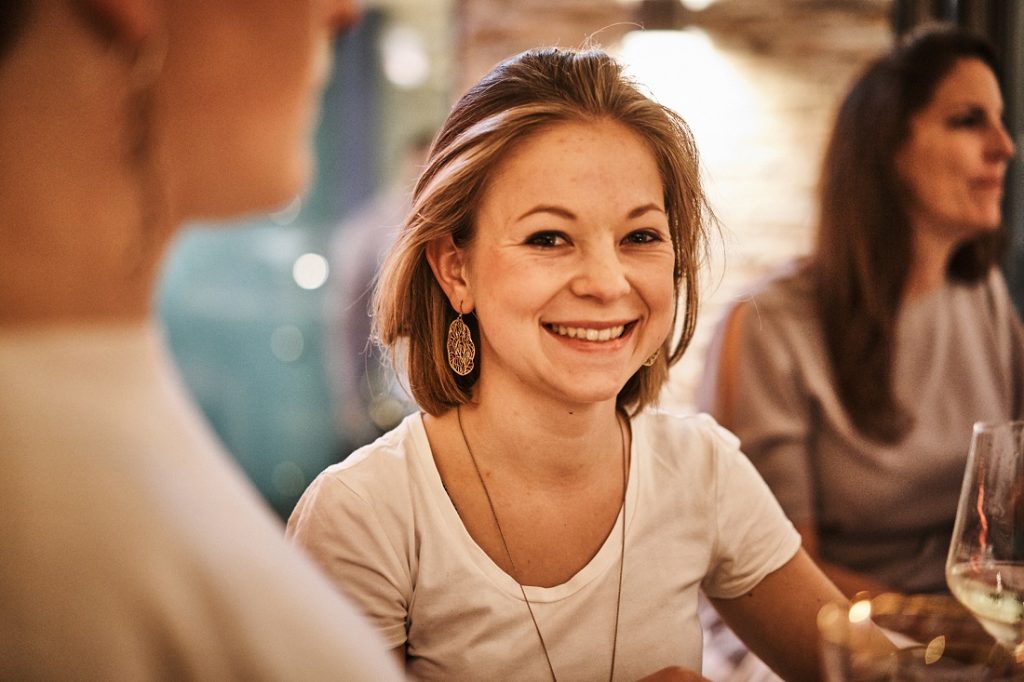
x: 546, y: 239
x: 642, y: 237
x: 970, y: 119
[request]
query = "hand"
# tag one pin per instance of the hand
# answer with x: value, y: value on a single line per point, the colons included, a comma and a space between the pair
x: 674, y: 674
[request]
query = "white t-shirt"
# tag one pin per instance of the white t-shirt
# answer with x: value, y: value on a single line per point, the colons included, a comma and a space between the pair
x: 131, y: 546
x: 699, y: 517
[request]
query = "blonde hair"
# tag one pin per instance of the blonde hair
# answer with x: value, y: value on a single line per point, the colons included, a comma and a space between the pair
x: 518, y: 98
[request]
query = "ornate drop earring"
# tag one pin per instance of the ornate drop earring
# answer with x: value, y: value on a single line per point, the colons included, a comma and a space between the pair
x: 461, y: 349
x: 653, y: 359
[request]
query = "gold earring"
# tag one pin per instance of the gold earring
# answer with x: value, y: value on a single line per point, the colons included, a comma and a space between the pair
x: 461, y: 349
x: 653, y: 359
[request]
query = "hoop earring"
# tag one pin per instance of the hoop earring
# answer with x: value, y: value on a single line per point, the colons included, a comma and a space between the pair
x: 460, y: 346
x: 653, y: 359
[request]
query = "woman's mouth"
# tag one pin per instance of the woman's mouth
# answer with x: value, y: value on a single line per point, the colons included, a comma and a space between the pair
x: 988, y: 184
x: 589, y: 333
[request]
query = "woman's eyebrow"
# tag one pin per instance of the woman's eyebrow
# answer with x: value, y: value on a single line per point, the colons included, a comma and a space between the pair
x: 569, y: 215
x: 547, y: 208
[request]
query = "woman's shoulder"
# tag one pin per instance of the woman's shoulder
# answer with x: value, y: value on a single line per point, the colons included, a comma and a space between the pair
x: 389, y: 461
x: 782, y: 303
x: 996, y: 290
x: 787, y: 288
x: 970, y: 301
x: 684, y: 437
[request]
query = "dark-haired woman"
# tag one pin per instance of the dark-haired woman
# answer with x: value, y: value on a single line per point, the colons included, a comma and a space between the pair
x: 854, y: 376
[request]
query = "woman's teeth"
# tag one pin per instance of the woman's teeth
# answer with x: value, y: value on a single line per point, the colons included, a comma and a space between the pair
x: 606, y: 334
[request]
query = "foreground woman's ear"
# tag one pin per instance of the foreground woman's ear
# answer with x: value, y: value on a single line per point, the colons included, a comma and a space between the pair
x: 448, y: 262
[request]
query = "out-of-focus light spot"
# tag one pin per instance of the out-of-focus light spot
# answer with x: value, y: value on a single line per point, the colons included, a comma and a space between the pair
x: 404, y: 57
x: 310, y: 270
x: 829, y: 616
x: 935, y: 649
x: 697, y: 5
x: 288, y: 478
x: 287, y: 214
x: 860, y: 611
x: 287, y: 343
x: 386, y: 413
x: 686, y: 72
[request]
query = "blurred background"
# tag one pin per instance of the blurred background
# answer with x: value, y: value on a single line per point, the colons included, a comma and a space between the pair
x: 268, y: 320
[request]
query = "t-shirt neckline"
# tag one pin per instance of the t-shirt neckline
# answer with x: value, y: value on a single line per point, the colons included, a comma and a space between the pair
x: 605, y: 558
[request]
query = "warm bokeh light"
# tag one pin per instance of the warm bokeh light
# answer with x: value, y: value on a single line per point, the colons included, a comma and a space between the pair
x: 686, y: 72
x: 697, y: 5
x: 310, y: 270
x: 860, y: 611
x: 404, y: 57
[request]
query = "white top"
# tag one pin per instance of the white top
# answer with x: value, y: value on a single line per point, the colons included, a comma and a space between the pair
x: 384, y: 528
x: 131, y: 546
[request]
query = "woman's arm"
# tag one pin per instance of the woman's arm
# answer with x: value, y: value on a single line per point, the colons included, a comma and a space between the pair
x: 750, y: 389
x: 850, y: 582
x: 778, y: 618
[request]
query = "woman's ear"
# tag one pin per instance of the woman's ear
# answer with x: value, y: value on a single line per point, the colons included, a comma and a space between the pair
x: 130, y: 22
x: 448, y: 262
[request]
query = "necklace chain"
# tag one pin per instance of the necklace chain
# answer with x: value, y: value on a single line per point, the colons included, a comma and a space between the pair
x: 512, y: 563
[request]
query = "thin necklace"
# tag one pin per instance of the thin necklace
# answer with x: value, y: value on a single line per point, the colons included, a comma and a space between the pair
x: 512, y: 564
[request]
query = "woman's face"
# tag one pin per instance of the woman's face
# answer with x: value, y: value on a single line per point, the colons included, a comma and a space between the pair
x: 570, y: 272
x: 239, y: 99
x: 954, y: 162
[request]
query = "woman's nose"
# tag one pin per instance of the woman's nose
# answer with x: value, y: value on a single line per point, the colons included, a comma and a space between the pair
x: 601, y: 275
x: 1001, y: 145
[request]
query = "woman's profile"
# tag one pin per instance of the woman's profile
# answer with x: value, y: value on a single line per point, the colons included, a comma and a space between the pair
x: 133, y: 546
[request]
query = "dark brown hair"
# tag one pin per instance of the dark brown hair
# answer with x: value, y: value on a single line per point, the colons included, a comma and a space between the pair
x: 864, y: 241
x: 14, y: 15
x: 517, y: 98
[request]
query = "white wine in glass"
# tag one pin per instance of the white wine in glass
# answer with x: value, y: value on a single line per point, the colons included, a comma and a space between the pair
x: 985, y: 567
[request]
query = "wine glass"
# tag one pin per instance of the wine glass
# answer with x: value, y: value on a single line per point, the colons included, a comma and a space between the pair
x: 985, y: 566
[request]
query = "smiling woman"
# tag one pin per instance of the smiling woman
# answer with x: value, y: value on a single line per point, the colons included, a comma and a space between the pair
x: 572, y: 242
x: 539, y: 520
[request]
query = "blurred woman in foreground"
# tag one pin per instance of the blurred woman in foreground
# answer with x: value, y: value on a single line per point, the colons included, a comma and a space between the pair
x: 133, y: 548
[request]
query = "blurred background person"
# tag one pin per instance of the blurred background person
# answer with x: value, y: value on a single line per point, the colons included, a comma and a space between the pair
x: 369, y: 398
x: 853, y: 377
x: 133, y: 548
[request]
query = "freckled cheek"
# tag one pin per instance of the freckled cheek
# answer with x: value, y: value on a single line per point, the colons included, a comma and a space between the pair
x: 660, y: 297
x: 511, y: 289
